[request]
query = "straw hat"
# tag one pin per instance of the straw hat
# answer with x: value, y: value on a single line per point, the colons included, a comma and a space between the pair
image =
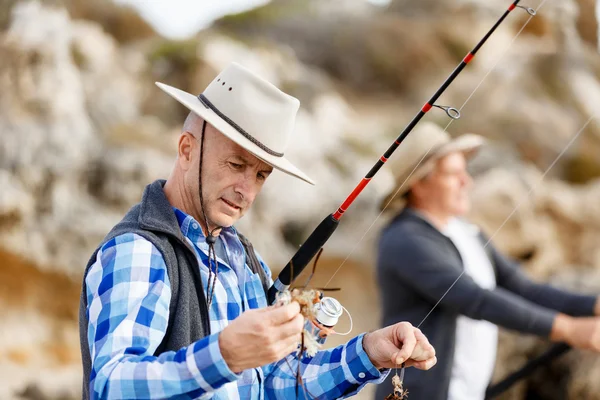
x: 417, y: 155
x: 248, y: 110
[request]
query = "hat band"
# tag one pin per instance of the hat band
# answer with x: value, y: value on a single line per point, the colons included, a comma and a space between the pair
x: 210, y: 105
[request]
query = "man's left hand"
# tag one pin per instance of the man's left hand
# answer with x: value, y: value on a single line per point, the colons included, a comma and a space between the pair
x: 391, y: 346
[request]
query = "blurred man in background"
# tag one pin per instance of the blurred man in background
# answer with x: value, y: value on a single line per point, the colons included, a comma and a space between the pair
x: 426, y: 248
x: 173, y: 301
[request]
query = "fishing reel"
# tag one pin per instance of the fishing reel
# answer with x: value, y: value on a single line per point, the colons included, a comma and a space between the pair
x: 321, y: 316
x: 327, y: 314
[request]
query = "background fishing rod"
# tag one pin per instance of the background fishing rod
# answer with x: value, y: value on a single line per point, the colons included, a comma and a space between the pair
x: 325, y: 229
x: 544, y: 359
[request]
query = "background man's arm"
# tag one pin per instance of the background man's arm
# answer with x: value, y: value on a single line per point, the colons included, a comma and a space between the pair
x: 511, y: 277
x: 418, y: 262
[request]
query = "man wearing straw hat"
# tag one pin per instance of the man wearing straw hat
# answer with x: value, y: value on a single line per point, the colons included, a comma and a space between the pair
x: 173, y: 302
x: 428, y: 253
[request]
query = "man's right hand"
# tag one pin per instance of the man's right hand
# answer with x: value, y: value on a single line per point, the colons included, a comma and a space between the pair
x: 261, y: 336
x: 579, y: 332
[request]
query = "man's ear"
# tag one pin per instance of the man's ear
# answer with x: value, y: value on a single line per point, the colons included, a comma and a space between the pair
x: 185, y: 149
x: 416, y: 190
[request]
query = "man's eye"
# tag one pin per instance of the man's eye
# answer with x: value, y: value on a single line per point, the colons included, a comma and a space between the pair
x: 261, y: 177
x: 235, y: 165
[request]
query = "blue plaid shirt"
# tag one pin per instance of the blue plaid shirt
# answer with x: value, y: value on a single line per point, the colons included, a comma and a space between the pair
x: 128, y: 293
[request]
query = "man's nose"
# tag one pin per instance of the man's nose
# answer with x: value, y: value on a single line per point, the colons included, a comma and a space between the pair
x: 467, y: 179
x: 246, y: 187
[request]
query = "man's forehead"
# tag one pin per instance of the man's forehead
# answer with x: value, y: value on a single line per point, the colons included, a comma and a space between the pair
x: 452, y: 160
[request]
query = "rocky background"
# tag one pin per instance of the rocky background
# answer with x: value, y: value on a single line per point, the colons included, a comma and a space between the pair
x: 83, y: 129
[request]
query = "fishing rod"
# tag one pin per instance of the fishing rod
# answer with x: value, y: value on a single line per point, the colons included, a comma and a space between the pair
x: 325, y: 229
x: 549, y: 355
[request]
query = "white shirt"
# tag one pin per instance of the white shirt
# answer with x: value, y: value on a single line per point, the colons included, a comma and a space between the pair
x: 476, y: 340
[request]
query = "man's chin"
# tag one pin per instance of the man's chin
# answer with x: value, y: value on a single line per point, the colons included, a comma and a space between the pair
x: 225, y: 221
x: 462, y: 210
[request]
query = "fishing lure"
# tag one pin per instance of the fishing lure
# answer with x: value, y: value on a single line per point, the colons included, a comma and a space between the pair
x: 399, y: 392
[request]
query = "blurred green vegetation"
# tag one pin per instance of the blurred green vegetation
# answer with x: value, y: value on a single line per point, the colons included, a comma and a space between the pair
x: 5, y: 12
x: 587, y: 24
x: 265, y: 15
x: 582, y: 168
x: 549, y: 69
x: 176, y: 63
x: 78, y: 57
x: 259, y: 16
x: 120, y: 21
x: 179, y: 58
x: 384, y: 53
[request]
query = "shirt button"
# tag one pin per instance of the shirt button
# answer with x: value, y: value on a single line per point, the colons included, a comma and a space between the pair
x: 195, y: 225
x: 361, y: 375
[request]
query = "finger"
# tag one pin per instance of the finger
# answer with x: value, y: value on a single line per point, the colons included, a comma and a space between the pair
x: 423, y: 365
x: 406, y: 336
x: 423, y: 350
x: 293, y: 343
x: 279, y: 315
x: 421, y: 338
x: 290, y: 345
x: 290, y: 328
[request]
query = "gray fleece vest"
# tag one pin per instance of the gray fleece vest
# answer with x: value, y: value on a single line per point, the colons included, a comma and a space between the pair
x: 154, y: 219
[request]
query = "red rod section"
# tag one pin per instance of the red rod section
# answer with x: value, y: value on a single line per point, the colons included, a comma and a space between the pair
x: 338, y: 214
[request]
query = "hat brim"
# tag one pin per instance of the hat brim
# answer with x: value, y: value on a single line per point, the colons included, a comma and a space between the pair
x: 194, y: 104
x: 468, y: 144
